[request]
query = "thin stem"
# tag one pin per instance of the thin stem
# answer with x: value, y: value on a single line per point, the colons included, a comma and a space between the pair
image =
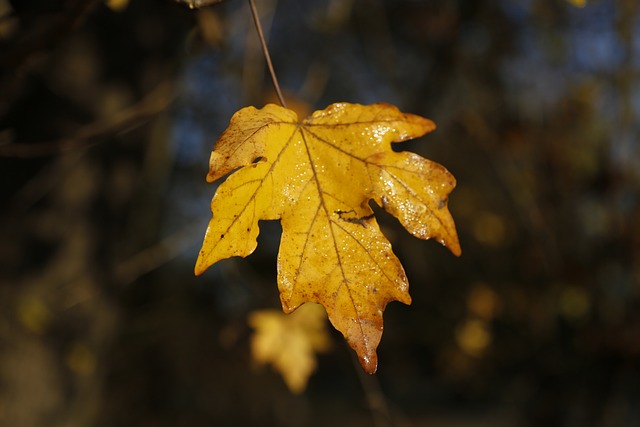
x: 265, y: 51
x: 375, y: 398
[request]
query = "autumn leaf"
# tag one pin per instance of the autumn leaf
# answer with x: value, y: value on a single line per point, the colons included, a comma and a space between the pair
x: 290, y: 343
x: 318, y: 176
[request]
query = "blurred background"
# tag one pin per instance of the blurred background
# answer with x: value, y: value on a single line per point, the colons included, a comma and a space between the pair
x: 108, y: 112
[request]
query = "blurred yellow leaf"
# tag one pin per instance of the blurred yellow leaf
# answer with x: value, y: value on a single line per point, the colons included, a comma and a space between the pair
x: 483, y: 302
x: 81, y: 360
x: 318, y: 176
x: 578, y: 3
x: 34, y: 314
x: 117, y: 5
x: 211, y: 27
x: 473, y: 336
x: 490, y: 229
x: 574, y: 303
x: 8, y: 21
x: 290, y: 343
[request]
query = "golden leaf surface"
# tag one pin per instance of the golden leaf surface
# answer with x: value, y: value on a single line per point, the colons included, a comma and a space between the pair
x: 318, y: 176
x: 290, y: 343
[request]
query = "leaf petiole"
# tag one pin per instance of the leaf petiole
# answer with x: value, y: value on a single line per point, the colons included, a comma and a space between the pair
x: 265, y: 51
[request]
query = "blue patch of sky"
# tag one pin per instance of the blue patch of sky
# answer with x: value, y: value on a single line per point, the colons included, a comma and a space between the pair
x: 592, y: 39
x: 530, y: 78
x: 636, y: 44
x: 208, y: 95
x: 591, y: 49
x: 518, y: 11
x: 355, y: 79
x: 592, y: 53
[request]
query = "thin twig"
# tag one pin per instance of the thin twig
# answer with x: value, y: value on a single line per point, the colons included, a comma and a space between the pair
x: 265, y: 51
x: 153, y: 257
x: 129, y: 118
x: 40, y: 37
x: 375, y: 398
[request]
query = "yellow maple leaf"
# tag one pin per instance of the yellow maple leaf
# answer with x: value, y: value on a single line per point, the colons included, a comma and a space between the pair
x: 318, y: 176
x: 290, y: 343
